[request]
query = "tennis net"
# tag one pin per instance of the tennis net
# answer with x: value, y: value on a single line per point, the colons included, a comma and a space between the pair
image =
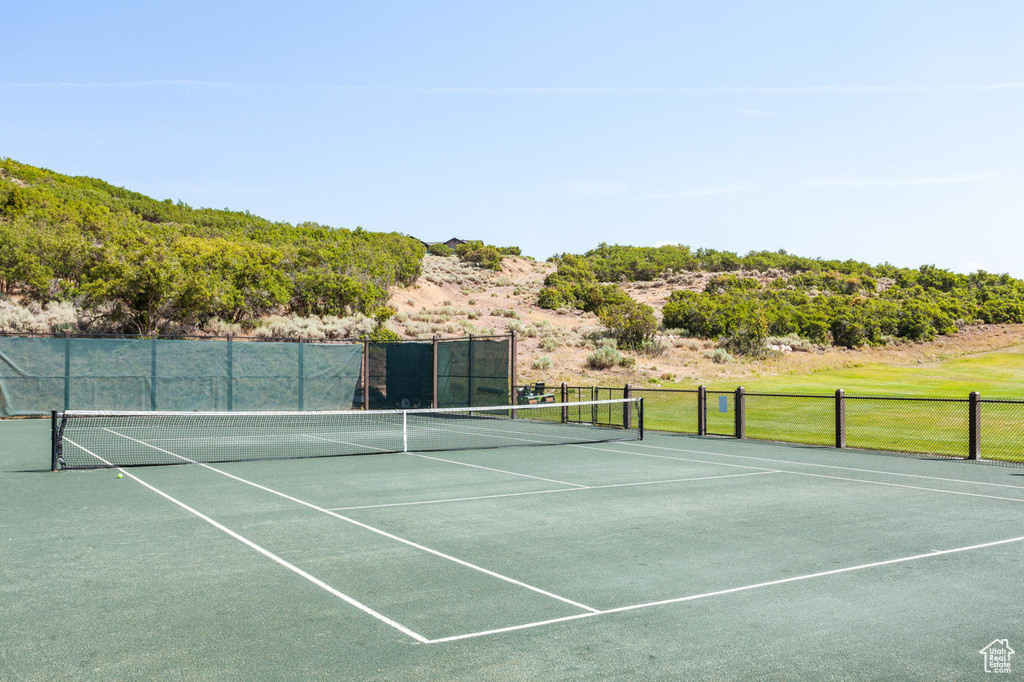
x: 82, y: 440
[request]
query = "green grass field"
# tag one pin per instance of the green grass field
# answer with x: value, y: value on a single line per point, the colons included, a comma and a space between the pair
x: 995, y: 374
x: 939, y: 428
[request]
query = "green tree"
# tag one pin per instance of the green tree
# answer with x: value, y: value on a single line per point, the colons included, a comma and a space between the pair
x: 632, y: 324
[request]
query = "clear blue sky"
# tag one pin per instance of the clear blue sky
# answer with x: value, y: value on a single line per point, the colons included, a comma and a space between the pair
x: 881, y: 131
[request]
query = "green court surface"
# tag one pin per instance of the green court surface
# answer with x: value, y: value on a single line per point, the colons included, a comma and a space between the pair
x: 675, y: 557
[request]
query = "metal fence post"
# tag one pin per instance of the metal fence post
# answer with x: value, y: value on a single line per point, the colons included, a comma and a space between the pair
x: 433, y: 386
x: 974, y: 426
x: 564, y: 401
x: 366, y: 373
x: 302, y: 375
x: 469, y: 377
x: 840, y: 418
x: 512, y: 358
x: 640, y: 418
x: 152, y: 372
x: 231, y: 372
x: 53, y: 441
x: 627, y: 417
x: 741, y: 413
x: 67, y: 370
x: 702, y: 410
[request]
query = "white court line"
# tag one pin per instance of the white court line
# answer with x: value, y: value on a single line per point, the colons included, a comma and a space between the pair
x: 500, y: 471
x: 378, y: 531
x: 559, y: 490
x: 838, y: 478
x: 694, y: 597
x: 902, y: 485
x: 569, y: 439
x: 827, y: 466
x: 675, y: 459
x: 345, y: 442
x: 267, y: 553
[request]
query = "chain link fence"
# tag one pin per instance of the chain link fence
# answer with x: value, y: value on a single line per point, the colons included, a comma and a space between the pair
x: 1001, y: 431
x: 806, y: 419
x: 927, y: 426
x: 669, y: 409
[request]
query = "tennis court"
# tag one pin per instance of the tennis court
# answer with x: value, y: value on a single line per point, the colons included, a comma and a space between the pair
x: 669, y: 557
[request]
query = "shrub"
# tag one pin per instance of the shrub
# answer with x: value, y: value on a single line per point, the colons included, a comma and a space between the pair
x: 38, y: 319
x: 751, y: 333
x: 505, y: 312
x: 794, y: 342
x: 719, y: 356
x: 604, y: 358
x: 479, y: 254
x: 543, y: 362
x: 632, y: 324
x: 688, y: 344
x: 549, y: 344
x: 439, y: 250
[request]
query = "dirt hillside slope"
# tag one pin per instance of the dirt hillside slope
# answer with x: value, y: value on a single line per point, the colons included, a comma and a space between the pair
x: 453, y: 298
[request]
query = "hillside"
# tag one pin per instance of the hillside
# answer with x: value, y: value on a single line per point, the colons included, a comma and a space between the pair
x: 128, y: 263
x: 451, y: 297
x: 78, y: 254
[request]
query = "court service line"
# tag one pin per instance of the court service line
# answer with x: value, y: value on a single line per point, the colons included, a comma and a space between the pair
x: 675, y: 459
x: 733, y: 590
x: 839, y: 478
x: 569, y: 440
x: 370, y: 528
x: 807, y: 473
x: 902, y: 485
x: 267, y: 553
x: 827, y: 466
x: 500, y: 471
x: 344, y: 442
x: 558, y: 490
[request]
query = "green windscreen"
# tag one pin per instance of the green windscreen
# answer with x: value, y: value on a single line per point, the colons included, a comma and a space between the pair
x: 38, y: 375
x: 41, y: 374
x: 472, y: 373
x: 31, y: 375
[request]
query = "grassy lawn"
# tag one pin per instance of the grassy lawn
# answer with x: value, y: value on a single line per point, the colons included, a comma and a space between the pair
x: 996, y: 374
x: 896, y: 425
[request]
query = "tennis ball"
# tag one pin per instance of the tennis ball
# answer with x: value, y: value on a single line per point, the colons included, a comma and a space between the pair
x: 120, y: 475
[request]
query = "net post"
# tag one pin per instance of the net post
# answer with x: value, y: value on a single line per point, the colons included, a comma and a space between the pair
x: 565, y: 401
x: 152, y: 371
x: 67, y: 370
x: 53, y: 441
x: 640, y: 418
x: 433, y: 385
x: 231, y: 372
x: 627, y: 412
x: 840, y: 418
x: 366, y: 373
x: 702, y: 410
x: 302, y: 376
x: 974, y: 426
x: 741, y: 413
